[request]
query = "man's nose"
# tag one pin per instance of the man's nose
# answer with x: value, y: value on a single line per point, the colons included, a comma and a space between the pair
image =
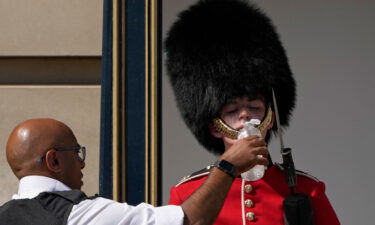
x: 245, y: 114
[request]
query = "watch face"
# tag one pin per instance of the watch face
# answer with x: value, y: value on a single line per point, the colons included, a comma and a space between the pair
x: 226, y: 167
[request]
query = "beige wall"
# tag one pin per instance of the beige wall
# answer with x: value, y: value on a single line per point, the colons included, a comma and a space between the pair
x: 50, y: 27
x: 50, y: 67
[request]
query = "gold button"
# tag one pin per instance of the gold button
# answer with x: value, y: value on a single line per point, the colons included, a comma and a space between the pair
x: 248, y: 188
x: 250, y: 216
x: 249, y: 203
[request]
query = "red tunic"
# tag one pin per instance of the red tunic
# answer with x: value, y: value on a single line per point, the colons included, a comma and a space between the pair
x: 262, y: 198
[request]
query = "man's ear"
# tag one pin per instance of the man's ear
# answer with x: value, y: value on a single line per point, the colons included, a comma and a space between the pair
x: 53, y: 161
x: 214, y: 132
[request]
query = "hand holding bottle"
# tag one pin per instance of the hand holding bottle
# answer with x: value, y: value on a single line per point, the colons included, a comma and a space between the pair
x: 249, y: 129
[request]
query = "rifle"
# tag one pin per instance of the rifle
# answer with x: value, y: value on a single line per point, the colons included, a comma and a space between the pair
x: 297, y: 206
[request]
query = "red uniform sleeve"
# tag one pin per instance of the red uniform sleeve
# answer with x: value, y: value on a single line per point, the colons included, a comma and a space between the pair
x: 324, y: 213
x: 174, y: 197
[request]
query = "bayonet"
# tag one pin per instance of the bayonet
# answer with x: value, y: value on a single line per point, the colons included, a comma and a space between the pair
x: 288, y: 164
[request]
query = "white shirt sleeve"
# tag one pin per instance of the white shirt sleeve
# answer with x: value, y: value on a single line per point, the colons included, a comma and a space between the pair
x: 102, y: 211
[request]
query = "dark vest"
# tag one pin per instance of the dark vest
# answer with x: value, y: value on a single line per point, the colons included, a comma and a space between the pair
x: 49, y: 208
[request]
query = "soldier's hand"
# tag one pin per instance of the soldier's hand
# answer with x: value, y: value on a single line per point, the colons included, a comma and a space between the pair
x: 246, y: 153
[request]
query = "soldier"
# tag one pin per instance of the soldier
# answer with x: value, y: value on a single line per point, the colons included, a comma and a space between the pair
x: 224, y: 57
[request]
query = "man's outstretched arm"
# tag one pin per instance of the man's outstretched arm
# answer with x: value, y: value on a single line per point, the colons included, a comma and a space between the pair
x: 203, y: 206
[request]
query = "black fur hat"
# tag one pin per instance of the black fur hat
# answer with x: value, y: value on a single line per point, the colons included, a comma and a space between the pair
x: 221, y: 49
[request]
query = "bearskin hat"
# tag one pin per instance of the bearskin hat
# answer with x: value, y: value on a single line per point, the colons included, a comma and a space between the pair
x: 218, y: 50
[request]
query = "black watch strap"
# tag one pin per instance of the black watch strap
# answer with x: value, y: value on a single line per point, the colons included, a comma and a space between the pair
x: 226, y: 166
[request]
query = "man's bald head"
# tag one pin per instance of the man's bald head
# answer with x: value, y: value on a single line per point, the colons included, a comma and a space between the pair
x: 31, y: 139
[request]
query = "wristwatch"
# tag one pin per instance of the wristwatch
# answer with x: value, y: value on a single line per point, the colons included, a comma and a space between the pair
x: 226, y: 166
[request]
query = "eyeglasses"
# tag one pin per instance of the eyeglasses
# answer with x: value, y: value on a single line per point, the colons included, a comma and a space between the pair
x: 81, y: 150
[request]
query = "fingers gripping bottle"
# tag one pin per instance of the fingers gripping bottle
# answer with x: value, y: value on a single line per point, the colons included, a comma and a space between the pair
x: 250, y: 129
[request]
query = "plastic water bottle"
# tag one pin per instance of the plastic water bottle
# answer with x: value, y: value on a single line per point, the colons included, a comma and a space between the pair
x: 249, y: 129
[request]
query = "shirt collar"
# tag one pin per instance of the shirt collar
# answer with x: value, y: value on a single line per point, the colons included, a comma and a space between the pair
x: 31, y: 186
